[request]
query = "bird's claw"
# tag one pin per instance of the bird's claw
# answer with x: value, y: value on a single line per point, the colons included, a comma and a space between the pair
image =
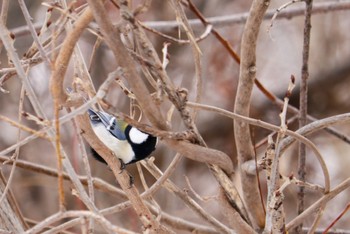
x: 122, y: 166
x: 131, y: 180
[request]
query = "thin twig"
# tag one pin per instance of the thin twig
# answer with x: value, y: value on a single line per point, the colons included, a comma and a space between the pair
x: 318, y: 204
x: 170, y: 220
x: 25, y: 128
x: 166, y: 174
x: 303, y: 106
x: 220, y: 38
x: 272, y: 127
x: 277, y: 101
x: 204, y: 35
x: 90, y: 183
x: 11, y: 217
x: 186, y: 225
x: 109, y: 228
x: 16, y: 153
x: 221, y: 21
x: 38, y: 109
x: 32, y: 30
x: 278, y: 10
x: 347, y: 208
x: 199, y: 197
x: 4, y: 13
x: 40, y: 169
x: 230, y: 20
x: 275, y: 216
x: 316, y: 126
x: 190, y: 202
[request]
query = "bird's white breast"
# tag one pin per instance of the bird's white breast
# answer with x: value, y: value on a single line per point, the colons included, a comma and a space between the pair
x: 121, y: 149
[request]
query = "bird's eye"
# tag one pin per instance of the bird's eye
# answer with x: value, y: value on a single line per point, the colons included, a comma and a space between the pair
x: 111, y: 128
x: 94, y: 117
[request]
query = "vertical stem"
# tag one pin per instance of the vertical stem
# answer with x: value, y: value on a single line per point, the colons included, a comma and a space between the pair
x: 4, y: 13
x: 303, y: 104
x: 245, y: 148
x: 59, y: 157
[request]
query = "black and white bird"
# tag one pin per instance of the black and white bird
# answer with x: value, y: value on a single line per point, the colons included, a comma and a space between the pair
x: 127, y: 142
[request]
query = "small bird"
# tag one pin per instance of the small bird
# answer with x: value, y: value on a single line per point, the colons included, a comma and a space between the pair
x: 127, y: 142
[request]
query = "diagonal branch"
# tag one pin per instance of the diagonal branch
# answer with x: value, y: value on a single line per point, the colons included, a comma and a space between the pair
x: 319, y: 204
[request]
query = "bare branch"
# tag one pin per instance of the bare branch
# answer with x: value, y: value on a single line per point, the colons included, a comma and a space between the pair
x: 303, y: 105
x: 245, y: 149
x: 38, y: 109
x: 318, y: 204
x: 62, y: 60
x: 229, y: 20
x: 28, y: 19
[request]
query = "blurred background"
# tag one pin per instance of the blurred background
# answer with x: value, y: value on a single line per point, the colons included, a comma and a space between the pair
x: 279, y: 55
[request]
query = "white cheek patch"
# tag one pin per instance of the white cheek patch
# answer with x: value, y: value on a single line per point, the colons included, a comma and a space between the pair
x: 136, y: 136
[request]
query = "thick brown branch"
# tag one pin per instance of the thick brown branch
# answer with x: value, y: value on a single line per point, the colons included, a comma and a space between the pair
x: 61, y: 64
x: 245, y: 148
